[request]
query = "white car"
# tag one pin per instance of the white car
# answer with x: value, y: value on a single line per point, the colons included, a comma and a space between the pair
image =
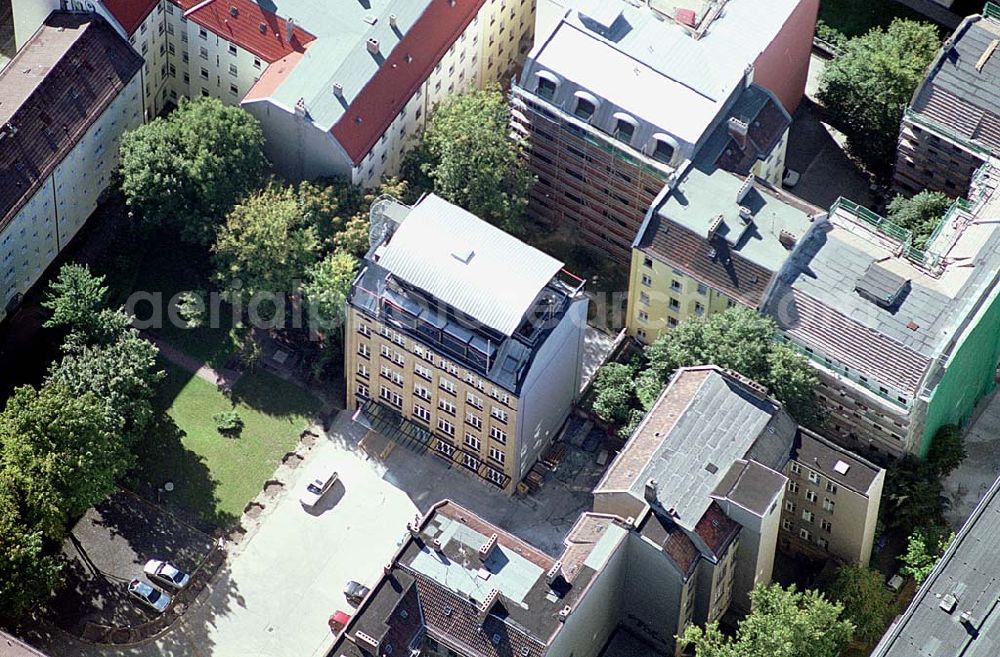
x: 319, y: 483
x: 166, y: 574
x: 150, y: 596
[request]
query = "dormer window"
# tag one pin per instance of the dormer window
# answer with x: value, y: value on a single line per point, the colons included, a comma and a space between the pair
x: 586, y: 105
x: 546, y: 88
x: 624, y: 128
x: 663, y: 151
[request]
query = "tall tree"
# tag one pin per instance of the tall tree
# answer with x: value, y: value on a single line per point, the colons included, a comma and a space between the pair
x: 62, y: 439
x: 868, y: 602
x: 866, y: 88
x: 614, y: 393
x: 924, y: 548
x: 27, y: 573
x: 467, y: 155
x: 327, y: 285
x: 782, y: 623
x: 189, y: 168
x: 919, y: 214
x: 75, y: 298
x: 265, y: 244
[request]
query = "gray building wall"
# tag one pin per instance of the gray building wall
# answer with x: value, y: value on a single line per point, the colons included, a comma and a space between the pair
x: 654, y: 594
x: 551, y: 386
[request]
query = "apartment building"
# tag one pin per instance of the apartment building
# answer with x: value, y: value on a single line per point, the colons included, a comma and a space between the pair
x: 715, y: 241
x: 952, y: 125
x: 67, y: 97
x: 719, y: 476
x: 617, y: 99
x: 341, y: 92
x: 462, y: 340
x: 904, y: 341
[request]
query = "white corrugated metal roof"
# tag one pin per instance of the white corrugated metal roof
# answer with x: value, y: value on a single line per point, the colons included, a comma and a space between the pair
x: 466, y: 263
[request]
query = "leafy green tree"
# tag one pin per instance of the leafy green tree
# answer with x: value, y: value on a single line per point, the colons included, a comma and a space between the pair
x: 27, y: 573
x: 920, y: 214
x: 947, y: 450
x: 614, y: 392
x: 868, y: 602
x: 75, y: 298
x: 187, y: 169
x: 338, y: 211
x: 327, y: 284
x: 266, y: 244
x: 866, y: 88
x: 122, y: 377
x: 913, y: 495
x: 783, y: 623
x: 738, y: 339
x: 467, y: 155
x: 923, y: 549
x: 62, y: 439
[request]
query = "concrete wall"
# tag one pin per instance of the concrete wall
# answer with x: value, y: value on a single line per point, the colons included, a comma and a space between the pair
x: 655, y: 593
x: 551, y: 386
x: 620, y: 504
x: 297, y: 147
x: 29, y: 16
x: 784, y: 65
x: 754, y: 557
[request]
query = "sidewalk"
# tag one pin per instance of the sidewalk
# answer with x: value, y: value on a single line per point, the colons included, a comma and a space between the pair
x: 223, y: 378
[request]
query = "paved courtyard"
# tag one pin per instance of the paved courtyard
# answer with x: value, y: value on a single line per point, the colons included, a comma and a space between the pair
x: 970, y: 480
x: 281, y: 582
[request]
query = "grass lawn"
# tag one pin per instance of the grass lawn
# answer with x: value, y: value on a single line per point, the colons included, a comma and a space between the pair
x: 214, y: 477
x: 856, y: 17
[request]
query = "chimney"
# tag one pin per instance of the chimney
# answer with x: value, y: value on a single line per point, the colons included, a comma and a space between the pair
x: 746, y: 216
x: 414, y: 529
x: 650, y: 491
x: 745, y: 188
x: 300, y: 107
x: 387, y: 569
x: 487, y: 548
x: 437, y: 545
x: 289, y: 29
x: 555, y: 572
x: 392, y: 21
x: 367, y: 640
x: 487, y: 604
x: 738, y: 130
x: 564, y: 613
x: 787, y: 239
x: 713, y: 227
x: 338, y: 90
x: 372, y: 45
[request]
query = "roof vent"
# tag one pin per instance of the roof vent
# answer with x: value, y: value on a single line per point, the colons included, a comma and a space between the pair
x: 712, y: 468
x: 262, y: 28
x: 372, y: 45
x: 371, y: 20
x: 446, y: 611
x: 564, y: 613
x: 233, y: 11
x: 948, y: 603
x: 746, y: 216
x: 496, y: 639
x: 463, y: 255
x: 392, y: 21
x: 437, y: 545
x: 338, y: 89
x: 841, y: 467
x: 487, y: 548
x: 649, y: 493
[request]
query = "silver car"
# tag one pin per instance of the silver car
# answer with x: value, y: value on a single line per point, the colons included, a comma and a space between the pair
x: 166, y: 574
x: 148, y: 595
x: 319, y: 483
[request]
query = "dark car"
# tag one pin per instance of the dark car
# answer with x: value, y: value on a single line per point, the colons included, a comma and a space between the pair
x: 355, y: 592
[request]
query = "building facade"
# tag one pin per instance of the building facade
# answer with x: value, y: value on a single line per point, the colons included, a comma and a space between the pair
x: 68, y: 95
x: 604, y: 148
x: 952, y: 125
x: 463, y: 340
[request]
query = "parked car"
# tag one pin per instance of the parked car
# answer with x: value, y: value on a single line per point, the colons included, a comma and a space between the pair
x: 149, y: 595
x: 355, y: 592
x: 320, y: 482
x: 166, y: 574
x: 338, y: 621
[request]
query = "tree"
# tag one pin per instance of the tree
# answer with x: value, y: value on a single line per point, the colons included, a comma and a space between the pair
x: 122, y: 377
x: 919, y: 214
x: 947, y: 450
x: 75, y: 298
x: 63, y: 440
x: 614, y: 392
x: 868, y: 602
x: 27, y: 573
x: 338, y: 211
x: 923, y: 549
x: 738, y: 339
x: 470, y: 159
x: 866, y: 88
x: 265, y: 244
x: 913, y: 495
x: 327, y: 285
x: 189, y: 168
x: 783, y: 623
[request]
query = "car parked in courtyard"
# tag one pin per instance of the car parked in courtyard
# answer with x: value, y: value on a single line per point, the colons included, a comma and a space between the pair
x: 166, y: 574
x: 320, y: 483
x: 355, y: 592
x: 149, y: 595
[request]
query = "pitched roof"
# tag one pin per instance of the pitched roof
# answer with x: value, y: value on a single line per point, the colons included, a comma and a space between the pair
x: 823, y: 455
x: 240, y: 21
x: 130, y: 13
x: 403, y: 70
x: 53, y: 90
x: 461, y: 260
x: 766, y: 122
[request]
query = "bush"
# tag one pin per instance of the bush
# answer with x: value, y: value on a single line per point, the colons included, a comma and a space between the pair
x: 228, y: 423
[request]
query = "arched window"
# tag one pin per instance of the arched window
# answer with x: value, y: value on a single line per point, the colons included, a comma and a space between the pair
x: 586, y: 105
x: 547, y: 84
x: 624, y: 127
x: 664, y: 148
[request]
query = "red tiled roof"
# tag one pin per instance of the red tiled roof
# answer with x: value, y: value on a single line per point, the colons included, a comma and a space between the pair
x: 406, y: 68
x: 716, y: 529
x: 68, y: 74
x: 243, y: 28
x: 130, y: 13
